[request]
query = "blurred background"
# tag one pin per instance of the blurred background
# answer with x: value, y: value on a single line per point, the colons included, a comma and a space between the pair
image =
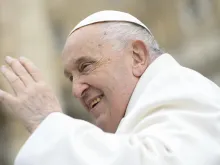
x: 37, y: 29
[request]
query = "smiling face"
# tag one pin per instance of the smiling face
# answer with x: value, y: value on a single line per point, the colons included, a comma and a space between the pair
x: 103, y: 78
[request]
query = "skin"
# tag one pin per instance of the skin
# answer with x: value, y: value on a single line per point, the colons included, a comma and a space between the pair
x: 102, y: 71
x: 33, y: 99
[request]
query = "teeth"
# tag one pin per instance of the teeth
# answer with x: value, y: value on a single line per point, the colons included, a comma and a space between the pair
x: 98, y: 99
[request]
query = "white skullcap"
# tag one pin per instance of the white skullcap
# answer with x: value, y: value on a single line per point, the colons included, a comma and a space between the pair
x: 109, y: 16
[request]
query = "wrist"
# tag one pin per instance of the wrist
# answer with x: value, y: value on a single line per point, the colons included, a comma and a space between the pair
x: 33, y: 125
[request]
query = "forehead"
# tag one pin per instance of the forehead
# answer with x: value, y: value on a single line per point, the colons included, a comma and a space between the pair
x: 84, y: 41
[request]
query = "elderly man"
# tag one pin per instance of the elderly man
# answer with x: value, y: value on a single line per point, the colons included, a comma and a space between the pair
x: 148, y: 109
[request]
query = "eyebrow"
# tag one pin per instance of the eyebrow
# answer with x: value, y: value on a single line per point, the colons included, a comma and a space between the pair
x: 78, y: 61
x: 83, y: 58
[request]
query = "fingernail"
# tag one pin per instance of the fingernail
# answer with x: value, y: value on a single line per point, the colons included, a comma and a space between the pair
x: 8, y: 59
x: 3, y: 68
x: 22, y: 58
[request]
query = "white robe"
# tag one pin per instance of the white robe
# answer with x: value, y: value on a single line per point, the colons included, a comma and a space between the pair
x: 173, y: 118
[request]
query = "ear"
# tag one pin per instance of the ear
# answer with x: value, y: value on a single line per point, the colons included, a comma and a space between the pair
x: 140, y: 58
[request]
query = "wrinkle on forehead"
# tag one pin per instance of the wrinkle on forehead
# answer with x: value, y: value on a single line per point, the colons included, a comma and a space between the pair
x: 84, y: 38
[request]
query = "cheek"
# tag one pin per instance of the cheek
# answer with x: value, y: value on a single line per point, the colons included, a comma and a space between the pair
x: 101, y: 79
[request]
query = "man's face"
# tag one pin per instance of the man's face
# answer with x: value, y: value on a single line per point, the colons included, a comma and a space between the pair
x: 101, y: 76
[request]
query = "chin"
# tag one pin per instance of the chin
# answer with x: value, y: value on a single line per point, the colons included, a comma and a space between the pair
x: 105, y: 126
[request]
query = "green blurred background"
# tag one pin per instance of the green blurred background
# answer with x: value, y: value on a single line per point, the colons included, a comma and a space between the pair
x: 37, y: 29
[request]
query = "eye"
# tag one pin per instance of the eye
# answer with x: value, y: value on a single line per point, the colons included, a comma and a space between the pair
x: 84, y: 67
x: 71, y: 78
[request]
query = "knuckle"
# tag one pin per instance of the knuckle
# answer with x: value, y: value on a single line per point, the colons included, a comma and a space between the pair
x: 29, y: 90
x: 41, y: 84
x: 33, y: 89
x: 14, y: 80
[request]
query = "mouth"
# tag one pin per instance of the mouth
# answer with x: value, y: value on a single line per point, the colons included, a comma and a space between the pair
x: 95, y: 102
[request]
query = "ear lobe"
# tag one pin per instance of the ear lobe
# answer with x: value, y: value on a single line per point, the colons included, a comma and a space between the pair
x: 140, y: 58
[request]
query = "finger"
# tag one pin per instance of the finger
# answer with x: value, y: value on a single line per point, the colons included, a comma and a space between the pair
x: 6, y: 98
x: 19, y: 70
x: 31, y: 68
x: 15, y: 82
x: 8, y: 101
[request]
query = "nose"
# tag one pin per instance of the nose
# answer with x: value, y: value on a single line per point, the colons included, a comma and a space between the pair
x: 78, y: 88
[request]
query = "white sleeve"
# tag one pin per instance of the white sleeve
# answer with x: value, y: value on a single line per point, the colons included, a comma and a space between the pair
x: 173, y: 139
x: 62, y: 140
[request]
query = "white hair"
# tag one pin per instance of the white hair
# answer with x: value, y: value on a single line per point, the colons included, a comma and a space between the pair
x: 123, y: 32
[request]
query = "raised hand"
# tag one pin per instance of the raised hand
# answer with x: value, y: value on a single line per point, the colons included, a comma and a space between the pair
x: 33, y: 100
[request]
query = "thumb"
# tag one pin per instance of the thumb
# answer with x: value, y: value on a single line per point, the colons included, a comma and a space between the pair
x: 6, y: 99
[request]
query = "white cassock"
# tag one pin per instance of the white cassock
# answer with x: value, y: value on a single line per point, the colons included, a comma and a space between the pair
x: 173, y: 118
